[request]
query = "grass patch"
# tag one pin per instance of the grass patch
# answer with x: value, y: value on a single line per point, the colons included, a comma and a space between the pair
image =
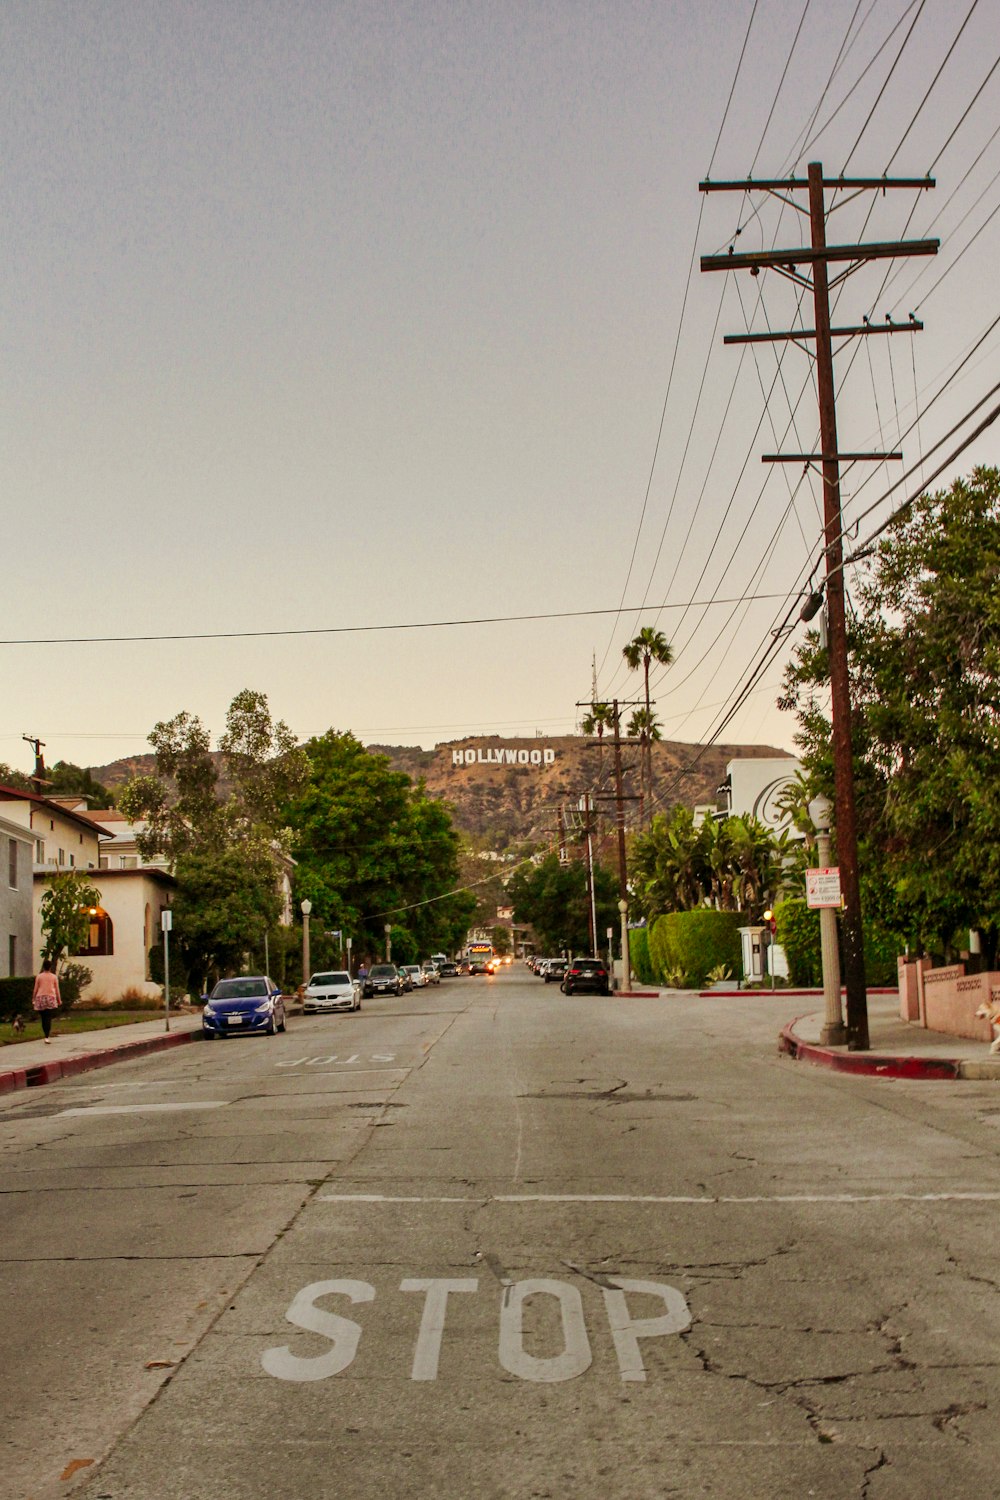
x: 72, y: 1022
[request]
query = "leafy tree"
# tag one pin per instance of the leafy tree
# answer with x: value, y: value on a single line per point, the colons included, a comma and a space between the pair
x: 553, y: 897
x: 65, y: 913
x: 225, y: 901
x: 263, y: 760
x: 18, y: 779
x: 68, y: 780
x: 924, y: 656
x: 648, y: 646
x: 373, y: 848
x: 179, y: 804
x: 732, y: 864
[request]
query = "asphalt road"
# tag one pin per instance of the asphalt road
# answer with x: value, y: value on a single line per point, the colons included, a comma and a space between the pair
x: 489, y: 1241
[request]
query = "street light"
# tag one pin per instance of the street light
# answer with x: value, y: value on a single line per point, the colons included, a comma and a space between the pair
x: 769, y: 929
x: 626, y: 963
x: 306, y: 908
x: 834, y: 1032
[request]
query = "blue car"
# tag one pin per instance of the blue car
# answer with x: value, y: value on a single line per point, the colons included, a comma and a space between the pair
x: 237, y: 1006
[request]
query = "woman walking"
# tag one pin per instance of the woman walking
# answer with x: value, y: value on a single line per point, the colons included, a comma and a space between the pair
x: 46, y: 997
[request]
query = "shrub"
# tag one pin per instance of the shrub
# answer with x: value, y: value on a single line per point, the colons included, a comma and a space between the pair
x: 15, y: 997
x: 692, y: 943
x: 798, y: 933
x: 638, y: 952
x: 73, y: 977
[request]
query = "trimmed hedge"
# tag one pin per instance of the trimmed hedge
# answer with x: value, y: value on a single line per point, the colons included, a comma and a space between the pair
x: 15, y: 996
x: 638, y: 952
x: 694, y: 943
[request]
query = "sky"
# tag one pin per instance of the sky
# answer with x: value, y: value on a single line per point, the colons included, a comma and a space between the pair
x: 366, y: 323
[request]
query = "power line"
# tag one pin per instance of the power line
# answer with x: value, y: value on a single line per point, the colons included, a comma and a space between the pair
x: 885, y: 85
x: 244, y: 635
x: 931, y: 85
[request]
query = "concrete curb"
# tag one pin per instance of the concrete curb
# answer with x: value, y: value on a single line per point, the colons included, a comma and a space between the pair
x: 84, y: 1062
x: 868, y: 1064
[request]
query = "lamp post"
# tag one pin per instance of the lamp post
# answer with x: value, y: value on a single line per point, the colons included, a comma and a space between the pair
x: 388, y: 942
x: 306, y: 908
x: 626, y: 962
x: 834, y: 1032
x: 347, y: 943
x: 769, y: 929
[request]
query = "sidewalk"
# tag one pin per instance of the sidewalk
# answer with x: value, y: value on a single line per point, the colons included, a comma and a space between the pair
x: 899, y: 1049
x: 28, y: 1064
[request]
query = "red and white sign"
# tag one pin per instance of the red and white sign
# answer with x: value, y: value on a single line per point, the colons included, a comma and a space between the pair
x: 823, y: 887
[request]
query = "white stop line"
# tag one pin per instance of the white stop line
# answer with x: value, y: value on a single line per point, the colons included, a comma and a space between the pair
x: 516, y: 1301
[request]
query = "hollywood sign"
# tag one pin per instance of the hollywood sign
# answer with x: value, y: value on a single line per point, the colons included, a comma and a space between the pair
x: 501, y: 756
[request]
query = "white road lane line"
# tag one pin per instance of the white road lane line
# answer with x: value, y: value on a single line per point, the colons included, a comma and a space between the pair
x: 142, y: 1109
x: 625, y: 1198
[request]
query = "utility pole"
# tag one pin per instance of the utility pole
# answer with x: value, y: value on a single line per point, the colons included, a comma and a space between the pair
x: 585, y: 808
x: 819, y: 256
x: 38, y: 779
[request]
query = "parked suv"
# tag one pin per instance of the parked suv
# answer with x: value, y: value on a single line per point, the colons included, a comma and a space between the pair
x: 586, y: 974
x: 383, y: 979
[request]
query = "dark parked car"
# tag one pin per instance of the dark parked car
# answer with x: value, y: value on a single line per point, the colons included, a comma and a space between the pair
x: 383, y: 979
x: 554, y: 969
x: 449, y: 969
x: 586, y: 974
x: 250, y: 1003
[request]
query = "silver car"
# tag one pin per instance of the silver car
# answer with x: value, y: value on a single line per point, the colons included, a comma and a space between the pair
x: 335, y: 990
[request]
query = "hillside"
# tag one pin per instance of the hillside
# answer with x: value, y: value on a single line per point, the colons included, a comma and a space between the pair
x: 501, y: 790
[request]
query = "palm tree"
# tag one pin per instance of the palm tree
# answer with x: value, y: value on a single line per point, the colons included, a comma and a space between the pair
x: 648, y: 646
x: 601, y: 717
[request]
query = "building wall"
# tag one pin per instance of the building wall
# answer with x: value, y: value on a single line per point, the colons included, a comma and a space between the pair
x: 133, y: 899
x: 16, y: 886
x: 755, y: 786
x: 61, y: 844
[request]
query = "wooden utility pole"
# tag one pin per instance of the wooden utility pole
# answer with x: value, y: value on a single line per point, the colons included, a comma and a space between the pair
x: 819, y: 256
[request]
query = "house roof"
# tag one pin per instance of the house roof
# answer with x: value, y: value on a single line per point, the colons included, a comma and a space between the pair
x: 97, y: 877
x: 16, y: 794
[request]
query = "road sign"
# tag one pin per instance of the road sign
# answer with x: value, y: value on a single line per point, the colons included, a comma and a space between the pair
x: 823, y: 888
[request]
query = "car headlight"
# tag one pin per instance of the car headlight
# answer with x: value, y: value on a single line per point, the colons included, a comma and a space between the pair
x: 265, y: 1009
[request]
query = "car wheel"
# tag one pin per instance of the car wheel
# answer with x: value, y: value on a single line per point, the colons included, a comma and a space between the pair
x: 272, y: 1026
x: 283, y: 1022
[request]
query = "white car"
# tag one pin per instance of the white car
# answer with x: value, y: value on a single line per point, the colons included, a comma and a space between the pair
x: 417, y: 975
x: 335, y: 990
x: 431, y: 974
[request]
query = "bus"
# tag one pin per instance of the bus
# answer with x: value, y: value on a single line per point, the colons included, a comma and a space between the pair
x: 480, y: 956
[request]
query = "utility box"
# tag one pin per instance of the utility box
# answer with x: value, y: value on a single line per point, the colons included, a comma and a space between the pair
x: 752, y: 942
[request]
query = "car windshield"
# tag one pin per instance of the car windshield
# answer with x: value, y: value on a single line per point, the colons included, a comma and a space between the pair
x: 327, y: 979
x: 240, y: 989
x: 412, y: 968
x: 383, y: 971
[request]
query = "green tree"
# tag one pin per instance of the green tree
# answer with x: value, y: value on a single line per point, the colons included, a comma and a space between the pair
x: 373, y: 848
x: 65, y: 914
x: 553, y: 897
x: 648, y: 646
x: 225, y: 900
x: 263, y: 761
x: 68, y: 780
x: 179, y: 804
x: 924, y: 657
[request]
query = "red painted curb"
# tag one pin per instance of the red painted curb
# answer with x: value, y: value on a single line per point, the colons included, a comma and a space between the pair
x: 84, y: 1062
x: 866, y: 1064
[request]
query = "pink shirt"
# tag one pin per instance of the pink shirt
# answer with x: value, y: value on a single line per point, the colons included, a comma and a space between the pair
x: 45, y: 995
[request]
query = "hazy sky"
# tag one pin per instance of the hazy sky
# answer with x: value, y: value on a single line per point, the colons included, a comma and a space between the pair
x: 326, y: 315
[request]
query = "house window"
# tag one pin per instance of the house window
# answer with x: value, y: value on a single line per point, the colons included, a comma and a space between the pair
x: 12, y: 955
x: 39, y: 851
x: 72, y: 861
x: 100, y: 935
x: 62, y: 856
x: 12, y: 866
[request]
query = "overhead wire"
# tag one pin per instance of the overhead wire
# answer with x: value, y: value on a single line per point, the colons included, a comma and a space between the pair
x: 680, y: 327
